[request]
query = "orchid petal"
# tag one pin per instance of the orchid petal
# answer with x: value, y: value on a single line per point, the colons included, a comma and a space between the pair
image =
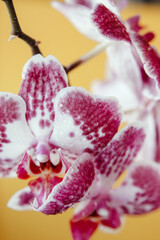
x: 21, y: 200
x: 83, y: 229
x: 72, y: 189
x: 140, y: 191
x: 149, y: 56
x: 84, y: 122
x: 119, y: 153
x: 15, y: 135
x: 110, y: 24
x: 43, y: 78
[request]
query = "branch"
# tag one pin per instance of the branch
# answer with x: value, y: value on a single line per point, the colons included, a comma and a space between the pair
x: 16, y: 29
x: 94, y: 52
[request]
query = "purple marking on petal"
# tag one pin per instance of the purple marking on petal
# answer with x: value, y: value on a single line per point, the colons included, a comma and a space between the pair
x: 72, y: 189
x: 71, y: 134
x: 109, y: 24
x: 120, y: 152
x: 21, y: 200
x: 26, y: 198
x: 9, y: 112
x: 83, y: 229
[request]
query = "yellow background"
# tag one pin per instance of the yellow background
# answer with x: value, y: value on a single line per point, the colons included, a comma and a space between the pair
x: 59, y: 38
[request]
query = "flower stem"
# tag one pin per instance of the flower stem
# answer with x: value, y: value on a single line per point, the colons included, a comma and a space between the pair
x: 94, y: 52
x: 16, y: 29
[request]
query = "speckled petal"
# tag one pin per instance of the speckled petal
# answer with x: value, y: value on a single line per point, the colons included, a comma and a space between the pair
x: 84, y: 122
x: 83, y: 229
x: 119, y: 153
x: 72, y: 189
x: 42, y: 78
x: 110, y: 24
x: 21, y: 200
x: 15, y: 135
x: 149, y: 56
x: 140, y: 191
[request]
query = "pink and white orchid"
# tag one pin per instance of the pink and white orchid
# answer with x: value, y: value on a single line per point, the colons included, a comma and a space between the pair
x: 51, y: 129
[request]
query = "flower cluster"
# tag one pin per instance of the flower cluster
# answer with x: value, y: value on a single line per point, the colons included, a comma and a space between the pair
x: 72, y: 142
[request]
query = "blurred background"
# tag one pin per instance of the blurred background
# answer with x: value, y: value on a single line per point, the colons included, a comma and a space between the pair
x: 58, y: 37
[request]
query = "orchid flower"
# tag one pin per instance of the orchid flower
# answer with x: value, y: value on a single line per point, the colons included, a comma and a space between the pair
x: 51, y: 130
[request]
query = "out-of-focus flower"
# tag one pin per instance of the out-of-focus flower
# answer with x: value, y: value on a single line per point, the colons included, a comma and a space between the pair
x: 137, y: 194
x: 111, y: 25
